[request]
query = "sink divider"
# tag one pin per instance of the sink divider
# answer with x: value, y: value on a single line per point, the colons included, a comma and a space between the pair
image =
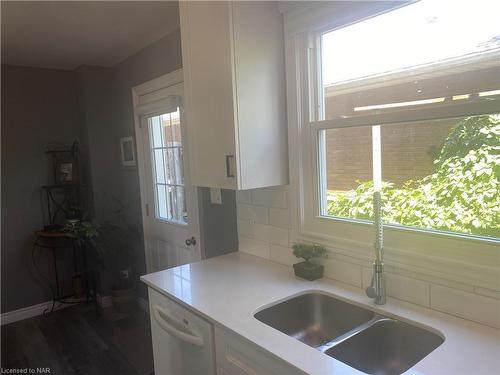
x: 337, y: 340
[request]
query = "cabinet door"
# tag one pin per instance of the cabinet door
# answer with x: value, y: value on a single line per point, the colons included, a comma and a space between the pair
x: 207, y: 54
x: 236, y: 356
x: 260, y: 82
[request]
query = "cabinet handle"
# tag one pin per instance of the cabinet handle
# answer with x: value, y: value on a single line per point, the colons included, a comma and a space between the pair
x: 175, y: 328
x: 229, y: 165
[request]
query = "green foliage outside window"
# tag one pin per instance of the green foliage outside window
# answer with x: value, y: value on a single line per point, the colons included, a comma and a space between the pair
x: 462, y: 195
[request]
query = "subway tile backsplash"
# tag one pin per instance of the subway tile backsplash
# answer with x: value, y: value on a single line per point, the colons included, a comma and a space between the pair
x: 264, y: 230
x: 466, y: 305
x: 253, y: 214
x: 270, y: 198
x: 279, y: 217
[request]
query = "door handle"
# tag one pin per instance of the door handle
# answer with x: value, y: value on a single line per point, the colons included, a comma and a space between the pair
x: 175, y: 328
x: 191, y: 241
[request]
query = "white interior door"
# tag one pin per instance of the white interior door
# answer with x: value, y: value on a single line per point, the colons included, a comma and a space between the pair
x: 171, y: 223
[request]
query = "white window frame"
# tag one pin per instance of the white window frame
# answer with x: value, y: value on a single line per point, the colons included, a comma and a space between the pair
x: 454, y: 257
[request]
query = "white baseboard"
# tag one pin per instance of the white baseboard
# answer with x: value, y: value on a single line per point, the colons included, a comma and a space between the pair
x: 28, y: 312
x: 36, y: 310
x: 144, y: 305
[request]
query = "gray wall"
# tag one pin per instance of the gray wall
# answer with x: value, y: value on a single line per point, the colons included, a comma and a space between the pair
x: 95, y: 105
x: 39, y: 106
x: 95, y: 99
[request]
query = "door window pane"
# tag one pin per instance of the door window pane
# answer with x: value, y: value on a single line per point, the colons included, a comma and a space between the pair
x: 161, y: 197
x: 177, y: 161
x: 158, y: 165
x: 155, y: 131
x: 170, y: 165
x: 167, y: 165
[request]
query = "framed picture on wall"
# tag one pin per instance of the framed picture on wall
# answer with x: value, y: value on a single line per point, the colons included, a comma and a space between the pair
x: 127, y: 151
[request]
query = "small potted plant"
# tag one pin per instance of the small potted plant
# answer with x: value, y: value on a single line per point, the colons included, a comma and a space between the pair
x: 307, y: 269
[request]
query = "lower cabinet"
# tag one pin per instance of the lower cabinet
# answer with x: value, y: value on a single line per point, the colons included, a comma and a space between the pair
x: 237, y: 356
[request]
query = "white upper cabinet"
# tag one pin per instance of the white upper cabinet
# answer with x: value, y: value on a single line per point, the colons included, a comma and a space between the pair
x: 234, y: 79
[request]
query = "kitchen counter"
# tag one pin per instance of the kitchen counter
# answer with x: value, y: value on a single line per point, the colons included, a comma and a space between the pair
x: 229, y: 289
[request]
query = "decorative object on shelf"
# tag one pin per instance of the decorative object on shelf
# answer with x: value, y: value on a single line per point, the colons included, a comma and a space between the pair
x: 127, y: 151
x: 308, y: 270
x: 64, y: 172
x: 65, y: 164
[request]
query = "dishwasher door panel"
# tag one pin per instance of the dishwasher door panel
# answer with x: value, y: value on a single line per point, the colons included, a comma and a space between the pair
x: 183, y: 343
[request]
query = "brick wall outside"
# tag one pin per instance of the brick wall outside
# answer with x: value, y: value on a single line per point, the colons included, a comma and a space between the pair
x: 408, y: 152
x: 171, y: 128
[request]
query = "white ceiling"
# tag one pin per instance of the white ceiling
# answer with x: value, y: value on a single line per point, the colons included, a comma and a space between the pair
x: 65, y: 35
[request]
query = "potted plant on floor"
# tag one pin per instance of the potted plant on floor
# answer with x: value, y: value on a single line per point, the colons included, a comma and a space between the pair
x: 116, y: 252
x: 111, y: 246
x: 308, y: 270
x: 84, y: 233
x: 119, y: 238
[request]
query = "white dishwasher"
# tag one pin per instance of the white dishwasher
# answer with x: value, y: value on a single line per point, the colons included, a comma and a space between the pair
x: 183, y: 343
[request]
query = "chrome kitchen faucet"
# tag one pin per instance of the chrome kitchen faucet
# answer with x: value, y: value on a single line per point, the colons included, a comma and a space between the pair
x: 377, y: 288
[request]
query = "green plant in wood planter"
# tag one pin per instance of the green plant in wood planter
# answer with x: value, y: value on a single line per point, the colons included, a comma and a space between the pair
x: 308, y: 270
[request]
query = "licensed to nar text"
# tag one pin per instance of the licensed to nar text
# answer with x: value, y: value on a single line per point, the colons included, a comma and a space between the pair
x: 26, y: 370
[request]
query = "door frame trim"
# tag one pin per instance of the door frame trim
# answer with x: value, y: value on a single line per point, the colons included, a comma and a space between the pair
x: 147, y: 98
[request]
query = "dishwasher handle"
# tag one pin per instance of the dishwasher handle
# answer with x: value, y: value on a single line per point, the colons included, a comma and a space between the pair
x: 175, y: 328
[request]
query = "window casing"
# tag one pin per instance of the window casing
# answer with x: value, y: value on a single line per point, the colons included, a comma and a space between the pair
x: 412, y: 248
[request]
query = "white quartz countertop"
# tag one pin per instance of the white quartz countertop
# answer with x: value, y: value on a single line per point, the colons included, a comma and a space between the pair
x: 228, y: 290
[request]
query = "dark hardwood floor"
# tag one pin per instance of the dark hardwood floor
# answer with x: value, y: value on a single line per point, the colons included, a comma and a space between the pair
x: 75, y: 340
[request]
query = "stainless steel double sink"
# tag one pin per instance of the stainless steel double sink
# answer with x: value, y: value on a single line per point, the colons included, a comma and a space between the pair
x: 361, y: 338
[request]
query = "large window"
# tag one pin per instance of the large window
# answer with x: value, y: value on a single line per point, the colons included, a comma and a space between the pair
x: 408, y: 103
